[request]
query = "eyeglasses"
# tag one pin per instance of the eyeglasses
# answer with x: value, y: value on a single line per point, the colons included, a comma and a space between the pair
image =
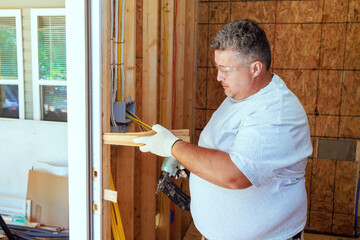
x: 226, y: 70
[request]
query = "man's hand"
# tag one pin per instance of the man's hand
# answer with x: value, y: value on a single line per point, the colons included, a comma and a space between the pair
x: 160, y: 143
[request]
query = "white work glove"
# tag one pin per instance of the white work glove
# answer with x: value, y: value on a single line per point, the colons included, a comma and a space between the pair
x: 160, y: 143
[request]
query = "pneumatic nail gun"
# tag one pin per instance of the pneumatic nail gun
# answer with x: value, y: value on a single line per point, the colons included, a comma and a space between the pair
x: 169, y: 169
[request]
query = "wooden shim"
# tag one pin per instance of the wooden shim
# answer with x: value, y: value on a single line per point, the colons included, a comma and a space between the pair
x: 126, y: 139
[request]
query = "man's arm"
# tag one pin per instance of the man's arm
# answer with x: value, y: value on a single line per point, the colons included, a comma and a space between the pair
x: 211, y: 165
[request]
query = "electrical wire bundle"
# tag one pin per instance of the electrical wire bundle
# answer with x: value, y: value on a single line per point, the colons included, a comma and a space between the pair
x: 21, y: 232
x: 116, y: 223
x: 143, y: 126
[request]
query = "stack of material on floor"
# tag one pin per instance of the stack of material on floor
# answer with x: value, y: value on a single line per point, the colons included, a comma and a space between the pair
x: 49, y: 199
x: 2, y: 236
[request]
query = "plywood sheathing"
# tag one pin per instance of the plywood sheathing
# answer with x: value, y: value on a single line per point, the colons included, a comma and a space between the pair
x: 301, y: 83
x: 214, y: 94
x: 345, y: 187
x: 260, y: 11
x: 335, y: 11
x: 297, y: 46
x: 315, y: 49
x: 343, y: 224
x: 332, y: 44
x: 323, y: 172
x: 350, y: 98
x: 320, y: 221
x: 352, y: 50
x: 328, y: 101
x: 349, y: 127
x: 327, y: 126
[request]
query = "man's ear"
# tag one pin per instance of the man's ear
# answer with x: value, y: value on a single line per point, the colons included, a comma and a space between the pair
x: 256, y: 68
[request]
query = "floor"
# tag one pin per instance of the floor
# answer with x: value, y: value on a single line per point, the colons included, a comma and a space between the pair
x: 193, y: 234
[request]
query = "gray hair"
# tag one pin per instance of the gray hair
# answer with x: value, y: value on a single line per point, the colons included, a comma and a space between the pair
x: 246, y: 38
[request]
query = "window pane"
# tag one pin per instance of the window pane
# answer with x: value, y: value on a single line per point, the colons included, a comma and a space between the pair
x: 52, y: 48
x: 8, y: 51
x: 9, y: 101
x: 54, y: 103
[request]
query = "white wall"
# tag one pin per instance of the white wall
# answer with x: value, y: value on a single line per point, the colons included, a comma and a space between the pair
x: 22, y: 143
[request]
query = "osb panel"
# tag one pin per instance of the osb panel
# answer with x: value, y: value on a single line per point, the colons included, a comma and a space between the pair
x: 322, y: 183
x: 197, y: 136
x: 343, y: 224
x: 201, y: 87
x: 332, y: 46
x: 192, y: 233
x: 345, y: 187
x: 269, y: 30
x: 301, y: 83
x: 352, y: 52
x: 311, y: 120
x: 260, y: 11
x: 308, y: 171
x: 349, y: 127
x: 214, y: 28
x: 290, y: 50
x: 314, y: 141
x: 324, y: 206
x: 320, y: 221
x: 219, y: 12
x: 139, y: 27
x: 299, y: 11
x: 350, y: 100
x: 203, y: 40
x: 335, y: 10
x: 354, y: 11
x: 329, y: 92
x: 307, y: 219
x: 200, y: 119
x: 203, y: 12
x: 327, y: 126
x: 209, y: 113
x: 215, y: 92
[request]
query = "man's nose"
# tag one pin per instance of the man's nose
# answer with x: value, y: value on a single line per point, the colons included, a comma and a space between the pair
x: 220, y: 76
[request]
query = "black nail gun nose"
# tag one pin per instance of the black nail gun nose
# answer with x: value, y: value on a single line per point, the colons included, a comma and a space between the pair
x: 172, y: 168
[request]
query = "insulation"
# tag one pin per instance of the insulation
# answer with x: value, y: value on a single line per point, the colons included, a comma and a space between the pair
x: 337, y: 149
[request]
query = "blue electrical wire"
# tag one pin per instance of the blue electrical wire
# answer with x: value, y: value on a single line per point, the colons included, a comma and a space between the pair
x: 356, y: 210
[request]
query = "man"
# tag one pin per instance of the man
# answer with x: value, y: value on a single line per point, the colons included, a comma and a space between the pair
x: 247, y: 174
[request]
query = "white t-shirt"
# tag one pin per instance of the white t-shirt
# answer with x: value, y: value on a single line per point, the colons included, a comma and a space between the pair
x: 267, y: 137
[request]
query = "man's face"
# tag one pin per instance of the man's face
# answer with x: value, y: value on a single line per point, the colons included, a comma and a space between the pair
x: 234, y: 75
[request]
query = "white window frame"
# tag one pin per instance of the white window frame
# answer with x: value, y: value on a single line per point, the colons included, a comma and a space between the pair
x: 19, y: 48
x: 80, y: 201
x: 36, y: 82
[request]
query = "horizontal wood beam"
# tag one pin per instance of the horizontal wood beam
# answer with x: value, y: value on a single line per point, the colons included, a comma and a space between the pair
x: 126, y: 139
